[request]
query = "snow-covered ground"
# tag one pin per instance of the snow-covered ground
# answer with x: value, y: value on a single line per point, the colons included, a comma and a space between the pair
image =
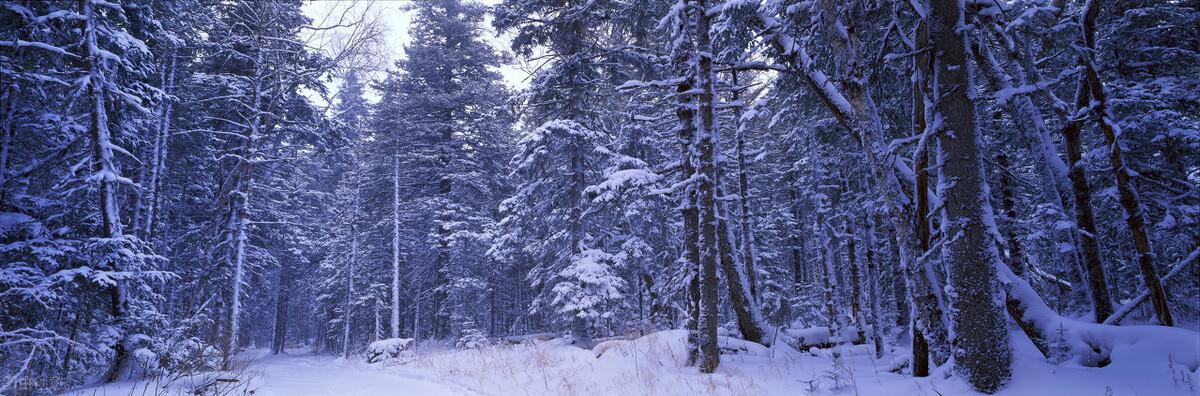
x: 651, y: 365
x: 297, y: 375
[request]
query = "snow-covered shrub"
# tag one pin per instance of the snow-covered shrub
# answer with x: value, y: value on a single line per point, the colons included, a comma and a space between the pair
x: 588, y: 286
x: 471, y: 337
x: 390, y: 348
x: 187, y: 356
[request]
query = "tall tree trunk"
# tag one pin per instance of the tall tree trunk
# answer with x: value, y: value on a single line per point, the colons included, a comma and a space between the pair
x: 284, y: 288
x: 1094, y: 269
x: 981, y: 353
x: 828, y: 273
x: 161, y: 143
x: 748, y: 249
x: 685, y: 114
x: 1130, y: 202
x: 107, y: 176
x: 395, y: 324
x: 378, y: 333
x: 707, y: 191
x: 240, y: 210
x: 749, y: 316
x: 348, y: 311
x: 922, y: 68
x: 796, y: 234
x: 856, y: 312
x: 899, y: 286
x: 873, y: 288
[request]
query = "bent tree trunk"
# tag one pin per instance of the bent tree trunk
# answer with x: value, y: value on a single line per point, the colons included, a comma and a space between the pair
x: 749, y: 317
x: 981, y: 352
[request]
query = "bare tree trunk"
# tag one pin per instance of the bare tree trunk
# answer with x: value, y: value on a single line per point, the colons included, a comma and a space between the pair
x: 981, y: 352
x: 378, y: 333
x: 922, y: 67
x: 873, y: 288
x: 348, y: 314
x: 1094, y: 269
x: 856, y: 311
x: 749, y: 251
x: 284, y: 288
x: 240, y: 209
x: 707, y: 192
x: 1125, y: 189
x: 749, y: 316
x: 395, y: 244
x: 685, y: 114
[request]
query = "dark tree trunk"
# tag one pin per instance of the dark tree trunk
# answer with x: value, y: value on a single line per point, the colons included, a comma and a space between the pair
x: 1125, y: 188
x: 899, y: 286
x: 748, y: 249
x: 284, y: 288
x: 685, y: 113
x: 749, y: 318
x: 712, y: 221
x: 856, y: 313
x: 1093, y: 268
x: 981, y: 352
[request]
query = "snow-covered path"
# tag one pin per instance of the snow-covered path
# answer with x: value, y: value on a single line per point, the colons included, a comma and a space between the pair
x: 315, y: 376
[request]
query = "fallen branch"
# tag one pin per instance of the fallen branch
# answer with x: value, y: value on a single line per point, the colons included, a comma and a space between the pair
x: 1116, y: 317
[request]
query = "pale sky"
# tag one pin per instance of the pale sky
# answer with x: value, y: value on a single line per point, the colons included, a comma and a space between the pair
x: 397, y: 21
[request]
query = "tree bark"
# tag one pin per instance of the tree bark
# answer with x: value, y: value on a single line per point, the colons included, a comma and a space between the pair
x: 749, y: 251
x: 922, y: 67
x: 395, y: 323
x: 1129, y: 200
x: 284, y: 288
x: 856, y: 311
x: 981, y: 353
x: 1094, y: 269
x: 873, y: 288
x: 707, y: 192
x: 689, y: 212
x: 108, y: 176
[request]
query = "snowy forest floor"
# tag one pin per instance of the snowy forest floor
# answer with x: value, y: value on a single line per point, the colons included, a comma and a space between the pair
x: 651, y: 365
